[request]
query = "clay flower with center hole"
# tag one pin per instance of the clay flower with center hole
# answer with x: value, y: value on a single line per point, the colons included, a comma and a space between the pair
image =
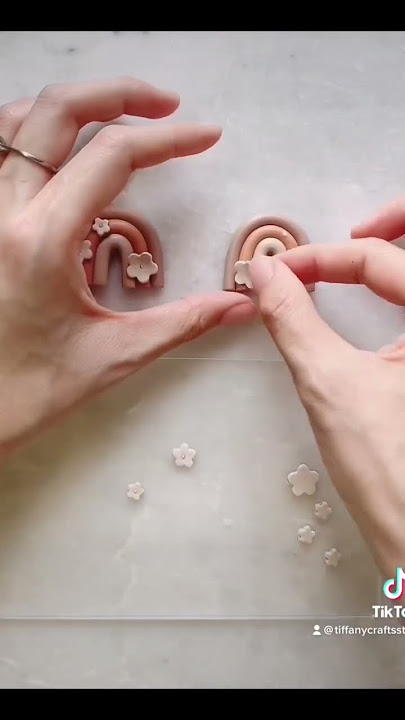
x: 101, y: 227
x: 184, y: 455
x: 322, y: 510
x: 135, y: 491
x: 306, y: 534
x: 141, y: 266
x: 332, y: 557
x: 86, y: 253
x: 242, y: 273
x: 303, y: 480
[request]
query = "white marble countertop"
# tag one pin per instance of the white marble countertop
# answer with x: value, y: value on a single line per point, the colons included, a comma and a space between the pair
x: 203, y: 582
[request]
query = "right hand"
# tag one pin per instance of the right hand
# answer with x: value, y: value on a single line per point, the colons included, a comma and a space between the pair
x: 355, y: 399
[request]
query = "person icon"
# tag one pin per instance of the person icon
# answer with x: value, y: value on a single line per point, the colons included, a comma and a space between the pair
x: 316, y: 630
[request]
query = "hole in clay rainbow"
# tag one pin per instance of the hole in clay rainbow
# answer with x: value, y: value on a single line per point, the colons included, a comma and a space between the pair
x: 247, y: 238
x: 269, y: 247
x: 131, y: 234
x: 263, y: 233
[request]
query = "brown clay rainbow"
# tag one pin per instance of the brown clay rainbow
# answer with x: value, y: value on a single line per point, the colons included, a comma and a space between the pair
x: 128, y: 233
x: 248, y: 237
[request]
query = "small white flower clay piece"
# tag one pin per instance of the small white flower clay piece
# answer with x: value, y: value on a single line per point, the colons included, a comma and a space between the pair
x: 303, y: 480
x: 306, y: 534
x: 135, y: 491
x: 242, y: 273
x: 141, y: 266
x: 322, y: 510
x: 86, y: 253
x: 332, y: 557
x: 101, y: 227
x: 184, y: 455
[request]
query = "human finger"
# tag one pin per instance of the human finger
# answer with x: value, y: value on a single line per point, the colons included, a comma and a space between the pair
x: 373, y: 263
x: 99, y: 172
x: 11, y: 117
x: 50, y: 129
x: 388, y: 223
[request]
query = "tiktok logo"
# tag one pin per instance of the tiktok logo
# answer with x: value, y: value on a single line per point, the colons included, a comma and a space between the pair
x: 394, y: 588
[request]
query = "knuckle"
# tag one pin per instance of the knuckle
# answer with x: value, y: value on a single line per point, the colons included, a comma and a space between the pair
x: 112, y: 136
x: 53, y: 94
x: 10, y: 113
x: 128, y: 81
x: 196, y: 323
x: 374, y: 244
x: 277, y: 310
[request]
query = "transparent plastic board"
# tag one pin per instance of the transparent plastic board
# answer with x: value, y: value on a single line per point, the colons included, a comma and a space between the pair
x: 218, y: 539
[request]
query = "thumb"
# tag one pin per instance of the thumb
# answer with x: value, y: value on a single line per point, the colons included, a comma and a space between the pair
x: 118, y: 344
x: 302, y: 337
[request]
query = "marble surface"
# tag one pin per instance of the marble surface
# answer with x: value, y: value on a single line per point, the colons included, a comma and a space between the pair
x: 203, y: 583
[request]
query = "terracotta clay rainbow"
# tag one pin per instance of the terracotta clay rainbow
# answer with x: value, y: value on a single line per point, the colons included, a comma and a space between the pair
x: 137, y: 244
x: 266, y: 235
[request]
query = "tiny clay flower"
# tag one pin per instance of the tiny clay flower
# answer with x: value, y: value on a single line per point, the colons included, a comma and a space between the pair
x: 141, y: 266
x: 303, y: 480
x: 332, y: 557
x: 322, y: 510
x: 86, y: 253
x: 306, y: 534
x: 101, y: 227
x: 184, y: 455
x: 242, y: 273
x: 135, y: 491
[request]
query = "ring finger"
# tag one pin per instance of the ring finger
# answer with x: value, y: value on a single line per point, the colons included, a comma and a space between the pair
x: 11, y: 118
x: 60, y: 111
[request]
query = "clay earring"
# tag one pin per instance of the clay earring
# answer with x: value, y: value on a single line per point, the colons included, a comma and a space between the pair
x: 306, y: 535
x: 332, y: 557
x: 262, y: 236
x: 135, y: 240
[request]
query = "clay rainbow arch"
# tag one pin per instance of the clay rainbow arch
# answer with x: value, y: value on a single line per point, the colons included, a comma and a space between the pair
x: 124, y: 233
x: 266, y: 235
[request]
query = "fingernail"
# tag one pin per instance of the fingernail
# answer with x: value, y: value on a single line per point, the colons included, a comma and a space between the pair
x: 163, y: 94
x: 356, y: 231
x: 172, y: 96
x: 360, y: 230
x: 261, y: 271
x: 214, y: 130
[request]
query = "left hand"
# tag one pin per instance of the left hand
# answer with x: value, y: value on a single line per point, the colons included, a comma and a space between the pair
x: 57, y: 345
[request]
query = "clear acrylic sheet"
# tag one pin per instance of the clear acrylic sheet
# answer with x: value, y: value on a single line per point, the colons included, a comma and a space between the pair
x: 218, y: 540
